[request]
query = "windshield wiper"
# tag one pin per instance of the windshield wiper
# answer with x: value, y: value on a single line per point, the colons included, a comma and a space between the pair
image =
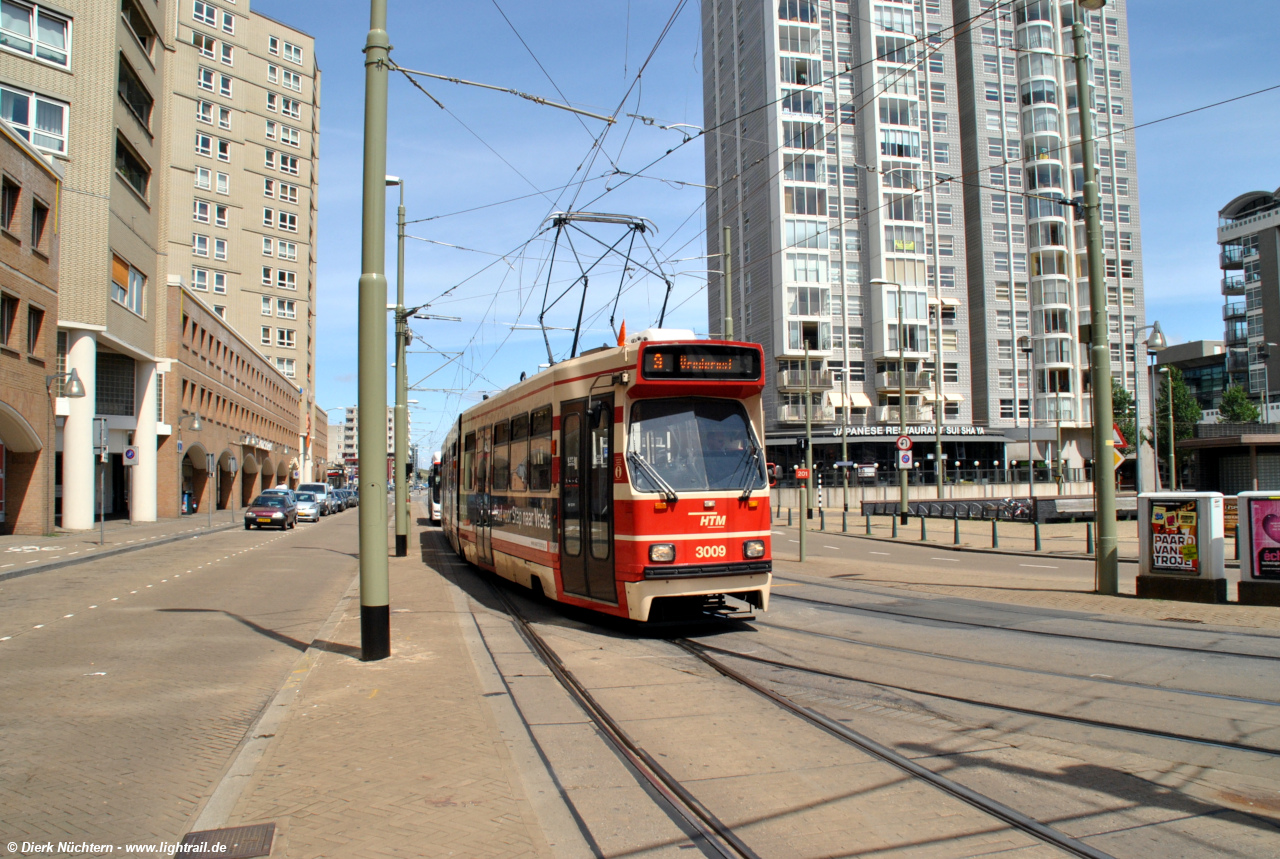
x: 752, y: 474
x: 668, y: 494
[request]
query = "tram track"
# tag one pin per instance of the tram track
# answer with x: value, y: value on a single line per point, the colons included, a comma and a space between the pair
x: 1111, y: 681
x: 908, y: 617
x: 1008, y: 708
x: 715, y: 832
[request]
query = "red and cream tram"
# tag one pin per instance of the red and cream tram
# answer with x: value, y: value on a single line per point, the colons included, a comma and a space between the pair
x: 628, y: 480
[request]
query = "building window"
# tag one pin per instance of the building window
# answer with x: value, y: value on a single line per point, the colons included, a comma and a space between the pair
x: 291, y: 80
x: 228, y: 55
x: 131, y: 168
x: 268, y: 246
x: 9, y: 193
x: 290, y: 136
x: 200, y: 279
x: 39, y: 219
x: 205, y: 45
x: 224, y: 118
x: 288, y: 193
x: 40, y: 120
x: 134, y: 94
x: 291, y: 107
x: 266, y: 305
x: 35, y: 31
x: 289, y: 164
x: 220, y: 310
x: 268, y: 217
x: 270, y: 133
x: 286, y: 279
x: 273, y: 74
x: 220, y: 282
x: 204, y: 112
x: 204, y: 178
x: 268, y: 273
x: 138, y: 23
x: 205, y: 78
x: 265, y: 336
x: 273, y: 45
x: 35, y: 326
x: 225, y: 85
x: 286, y: 308
x: 269, y: 159
x: 204, y: 145
x: 127, y: 285
x: 286, y: 338
x: 224, y: 150
x: 287, y: 366
x: 8, y: 316
x: 228, y: 23
x: 287, y: 250
x: 293, y: 53
x: 220, y: 215
x: 200, y: 211
x: 224, y: 183
x: 268, y: 187
x: 219, y: 248
x: 273, y: 102
x: 199, y: 245
x: 205, y: 13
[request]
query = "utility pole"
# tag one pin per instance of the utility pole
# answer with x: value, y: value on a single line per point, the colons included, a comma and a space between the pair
x: 1104, y: 486
x: 727, y: 258
x: 938, y: 403
x: 401, y: 430
x: 375, y: 608
x: 902, y: 403
x: 808, y: 454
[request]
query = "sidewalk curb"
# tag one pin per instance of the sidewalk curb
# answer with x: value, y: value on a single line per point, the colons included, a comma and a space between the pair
x: 258, y: 739
x: 108, y: 553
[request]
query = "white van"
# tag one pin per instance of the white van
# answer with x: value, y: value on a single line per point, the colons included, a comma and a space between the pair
x: 327, y: 501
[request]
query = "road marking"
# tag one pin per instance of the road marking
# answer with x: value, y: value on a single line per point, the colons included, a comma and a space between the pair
x: 133, y: 592
x: 36, y: 561
x: 2, y: 566
x: 1104, y: 676
x: 779, y: 533
x: 69, y: 615
x: 39, y: 626
x: 75, y: 553
x: 793, y: 541
x: 879, y: 553
x: 93, y: 606
x: 6, y: 638
x: 148, y: 585
x: 113, y: 599
x: 1038, y: 566
x: 948, y: 560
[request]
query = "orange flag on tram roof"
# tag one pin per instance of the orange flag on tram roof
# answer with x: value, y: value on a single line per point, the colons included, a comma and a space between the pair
x: 622, y: 333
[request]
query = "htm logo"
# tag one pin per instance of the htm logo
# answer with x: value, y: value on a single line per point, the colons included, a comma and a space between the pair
x: 711, y: 520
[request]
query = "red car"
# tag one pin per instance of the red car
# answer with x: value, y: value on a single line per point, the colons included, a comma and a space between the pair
x: 275, y: 511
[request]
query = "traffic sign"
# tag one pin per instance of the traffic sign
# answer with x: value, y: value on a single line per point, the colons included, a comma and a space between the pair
x: 802, y: 474
x: 1117, y: 457
x: 903, y: 443
x: 904, y: 459
x: 130, y: 455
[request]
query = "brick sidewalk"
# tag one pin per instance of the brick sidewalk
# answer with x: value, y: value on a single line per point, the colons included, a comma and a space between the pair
x: 21, y: 555
x: 402, y: 757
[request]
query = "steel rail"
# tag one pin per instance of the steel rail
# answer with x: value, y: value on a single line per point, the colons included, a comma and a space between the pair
x: 714, y: 831
x: 983, y: 803
x: 1199, y: 651
x: 1008, y: 708
x: 1019, y: 668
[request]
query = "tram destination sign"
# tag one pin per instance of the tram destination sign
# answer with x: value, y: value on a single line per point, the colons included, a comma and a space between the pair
x: 681, y: 361
x: 892, y: 431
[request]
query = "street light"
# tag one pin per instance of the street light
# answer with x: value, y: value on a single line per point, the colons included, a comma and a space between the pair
x: 196, y: 425
x: 1025, y: 346
x: 74, y: 389
x: 1173, y: 436
x: 401, y: 428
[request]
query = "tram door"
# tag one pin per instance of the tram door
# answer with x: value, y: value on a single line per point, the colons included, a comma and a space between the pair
x: 484, y: 497
x: 586, y: 498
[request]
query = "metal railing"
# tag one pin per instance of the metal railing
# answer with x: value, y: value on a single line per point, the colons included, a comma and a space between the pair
x: 914, y: 414
x: 795, y: 379
x: 1234, y: 308
x: 1233, y: 285
x: 916, y: 381
x: 795, y: 414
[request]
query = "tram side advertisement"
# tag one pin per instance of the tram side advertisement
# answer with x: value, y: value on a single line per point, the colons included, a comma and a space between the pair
x: 1264, y: 535
x: 1174, y: 534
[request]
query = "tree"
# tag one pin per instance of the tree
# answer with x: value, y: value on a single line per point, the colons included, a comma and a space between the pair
x: 1237, y: 408
x: 1186, y: 411
x: 1124, y: 413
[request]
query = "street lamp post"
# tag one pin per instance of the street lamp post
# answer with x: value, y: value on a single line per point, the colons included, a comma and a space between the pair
x: 1173, y: 436
x: 1155, y: 343
x: 1264, y: 353
x: 1026, y: 347
x: 196, y: 426
x: 74, y: 389
x: 1107, y: 569
x: 401, y: 430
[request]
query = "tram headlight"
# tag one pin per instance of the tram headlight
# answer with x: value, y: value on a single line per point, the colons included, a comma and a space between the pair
x: 663, y: 553
x: 753, y: 549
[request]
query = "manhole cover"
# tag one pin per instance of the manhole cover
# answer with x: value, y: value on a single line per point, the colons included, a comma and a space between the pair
x: 237, y: 842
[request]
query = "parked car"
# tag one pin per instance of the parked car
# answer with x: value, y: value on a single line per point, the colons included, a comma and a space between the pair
x: 339, y: 500
x: 280, y: 490
x: 355, y: 497
x: 309, y: 506
x: 324, y: 495
x: 274, y: 509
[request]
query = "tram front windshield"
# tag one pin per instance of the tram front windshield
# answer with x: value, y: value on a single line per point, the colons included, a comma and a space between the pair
x: 693, y: 445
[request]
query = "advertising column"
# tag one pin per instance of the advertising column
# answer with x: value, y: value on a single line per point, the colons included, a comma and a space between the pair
x: 1258, y: 531
x: 1181, y: 547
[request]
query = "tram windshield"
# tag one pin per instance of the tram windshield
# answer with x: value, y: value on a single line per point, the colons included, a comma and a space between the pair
x: 693, y: 445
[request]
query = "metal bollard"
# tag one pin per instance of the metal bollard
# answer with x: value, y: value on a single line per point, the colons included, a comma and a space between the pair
x: 1088, y: 538
x: 868, y: 517
x: 957, y: 537
x: 895, y: 527
x: 822, y: 519
x: 923, y: 533
x: 788, y: 517
x: 844, y: 522
x: 1037, y: 535
x: 995, y: 533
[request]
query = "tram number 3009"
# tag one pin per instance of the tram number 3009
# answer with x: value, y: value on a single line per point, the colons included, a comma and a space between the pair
x: 710, y: 551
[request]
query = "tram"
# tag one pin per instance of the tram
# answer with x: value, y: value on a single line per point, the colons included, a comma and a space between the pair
x: 629, y: 480
x: 435, y: 475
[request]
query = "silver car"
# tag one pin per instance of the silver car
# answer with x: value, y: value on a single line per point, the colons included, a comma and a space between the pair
x: 309, y: 507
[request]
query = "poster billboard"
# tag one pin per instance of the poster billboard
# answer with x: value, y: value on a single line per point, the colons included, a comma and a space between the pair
x: 1264, y: 537
x: 1175, y: 537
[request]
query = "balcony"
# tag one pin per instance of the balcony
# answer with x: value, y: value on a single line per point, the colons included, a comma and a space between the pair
x: 794, y: 380
x: 1231, y: 257
x: 914, y: 414
x: 1233, y: 309
x: 795, y: 414
x: 913, y: 381
x: 1233, y: 285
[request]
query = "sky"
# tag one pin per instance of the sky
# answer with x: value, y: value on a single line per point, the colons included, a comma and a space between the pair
x: 490, y: 264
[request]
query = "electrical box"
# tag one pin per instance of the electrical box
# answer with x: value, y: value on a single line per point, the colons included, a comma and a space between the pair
x: 1180, y: 546
x: 1258, y: 536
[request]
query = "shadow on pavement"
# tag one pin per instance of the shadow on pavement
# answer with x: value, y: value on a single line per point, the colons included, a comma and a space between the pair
x: 301, y: 646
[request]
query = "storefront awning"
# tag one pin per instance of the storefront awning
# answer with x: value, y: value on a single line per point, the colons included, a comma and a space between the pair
x: 954, y: 398
x: 856, y: 400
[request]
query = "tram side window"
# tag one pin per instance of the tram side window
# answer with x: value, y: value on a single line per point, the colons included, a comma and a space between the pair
x: 484, y: 448
x: 540, y: 449
x: 501, y: 462
x: 468, y: 461
x: 519, y: 453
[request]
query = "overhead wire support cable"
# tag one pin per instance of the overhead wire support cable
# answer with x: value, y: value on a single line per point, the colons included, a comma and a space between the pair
x: 536, y: 99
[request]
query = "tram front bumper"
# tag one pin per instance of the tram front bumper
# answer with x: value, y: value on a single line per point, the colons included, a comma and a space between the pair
x: 641, y: 594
